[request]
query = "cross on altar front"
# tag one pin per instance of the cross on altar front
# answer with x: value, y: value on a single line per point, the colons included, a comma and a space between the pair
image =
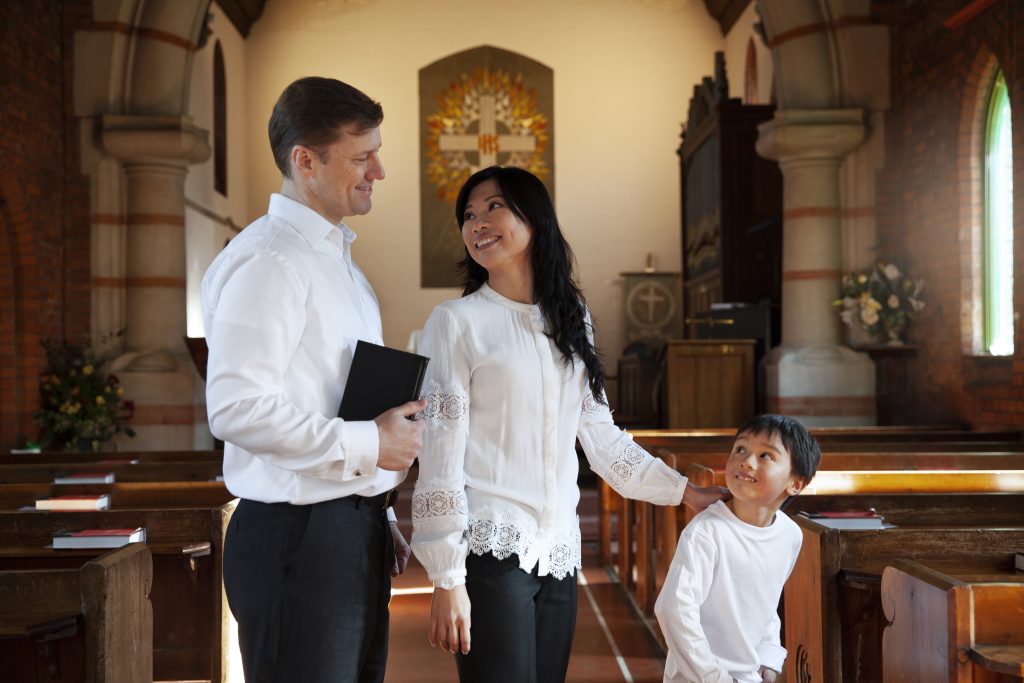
x: 650, y: 297
x: 487, y: 141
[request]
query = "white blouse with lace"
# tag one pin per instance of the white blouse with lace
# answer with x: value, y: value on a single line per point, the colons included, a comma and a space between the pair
x: 497, y: 473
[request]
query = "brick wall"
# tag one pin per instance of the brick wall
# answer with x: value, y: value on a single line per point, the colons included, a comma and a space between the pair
x: 44, y: 203
x: 928, y: 209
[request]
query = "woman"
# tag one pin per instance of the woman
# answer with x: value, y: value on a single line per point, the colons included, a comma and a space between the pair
x: 513, y: 380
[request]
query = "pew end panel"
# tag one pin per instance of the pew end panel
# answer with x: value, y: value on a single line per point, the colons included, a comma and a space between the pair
x: 103, y: 612
x: 941, y: 628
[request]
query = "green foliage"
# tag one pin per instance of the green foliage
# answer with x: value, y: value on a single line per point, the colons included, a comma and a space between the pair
x: 81, y: 407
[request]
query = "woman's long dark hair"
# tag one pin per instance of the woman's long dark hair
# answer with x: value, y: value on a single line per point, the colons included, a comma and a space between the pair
x: 551, y: 260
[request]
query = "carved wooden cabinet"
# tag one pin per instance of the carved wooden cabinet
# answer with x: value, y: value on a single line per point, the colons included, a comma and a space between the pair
x: 709, y: 383
x: 731, y: 202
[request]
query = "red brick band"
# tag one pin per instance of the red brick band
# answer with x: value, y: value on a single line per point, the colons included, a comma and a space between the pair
x: 108, y: 219
x: 143, y: 32
x: 852, y: 406
x: 811, y: 212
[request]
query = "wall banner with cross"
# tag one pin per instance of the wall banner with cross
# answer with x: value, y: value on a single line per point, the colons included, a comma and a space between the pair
x: 478, y: 108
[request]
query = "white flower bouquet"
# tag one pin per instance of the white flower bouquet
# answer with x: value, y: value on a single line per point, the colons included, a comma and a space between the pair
x: 880, y: 298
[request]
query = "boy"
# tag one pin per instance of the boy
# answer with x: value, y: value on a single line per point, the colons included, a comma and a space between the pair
x: 718, y: 608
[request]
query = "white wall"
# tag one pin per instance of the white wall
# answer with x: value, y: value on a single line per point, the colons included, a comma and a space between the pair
x: 623, y: 73
x: 205, y: 235
x: 736, y: 58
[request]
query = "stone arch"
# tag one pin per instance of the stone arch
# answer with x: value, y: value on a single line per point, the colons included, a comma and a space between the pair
x: 803, y: 53
x: 970, y: 148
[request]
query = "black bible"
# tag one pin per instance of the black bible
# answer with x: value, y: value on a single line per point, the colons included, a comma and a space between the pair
x: 381, y: 378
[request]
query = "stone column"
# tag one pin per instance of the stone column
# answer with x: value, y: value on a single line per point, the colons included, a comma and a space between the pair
x: 155, y: 369
x: 811, y: 375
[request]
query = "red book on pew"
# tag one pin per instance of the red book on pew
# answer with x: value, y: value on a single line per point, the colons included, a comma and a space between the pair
x: 98, y: 538
x: 97, y: 502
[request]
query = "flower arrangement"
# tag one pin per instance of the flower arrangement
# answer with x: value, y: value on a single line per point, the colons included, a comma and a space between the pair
x: 82, y: 408
x: 880, y: 298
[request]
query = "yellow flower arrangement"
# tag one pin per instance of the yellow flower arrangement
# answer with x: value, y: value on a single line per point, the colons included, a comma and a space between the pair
x: 81, y: 408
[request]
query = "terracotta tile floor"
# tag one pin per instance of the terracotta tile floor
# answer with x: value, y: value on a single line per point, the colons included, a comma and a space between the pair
x: 595, y: 659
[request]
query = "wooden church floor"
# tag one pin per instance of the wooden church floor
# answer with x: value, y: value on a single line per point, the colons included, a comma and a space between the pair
x: 611, y: 642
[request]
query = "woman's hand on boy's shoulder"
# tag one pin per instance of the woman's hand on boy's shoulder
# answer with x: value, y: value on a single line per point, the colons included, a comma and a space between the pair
x: 699, y: 497
x: 768, y: 675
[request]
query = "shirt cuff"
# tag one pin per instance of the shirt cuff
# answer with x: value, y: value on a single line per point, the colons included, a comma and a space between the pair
x: 771, y: 655
x: 390, y: 513
x: 449, y: 580
x: 680, y: 491
x: 360, y: 444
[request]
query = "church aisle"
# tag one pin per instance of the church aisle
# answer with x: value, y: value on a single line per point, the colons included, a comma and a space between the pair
x: 611, y: 644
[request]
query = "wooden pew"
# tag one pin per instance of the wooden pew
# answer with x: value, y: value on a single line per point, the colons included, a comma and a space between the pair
x: 657, y: 438
x: 73, y: 457
x: 87, y: 623
x: 649, y: 534
x: 951, y: 629
x: 22, y: 473
x: 832, y: 602
x: 189, y: 608
x: 711, y: 447
x: 131, y: 495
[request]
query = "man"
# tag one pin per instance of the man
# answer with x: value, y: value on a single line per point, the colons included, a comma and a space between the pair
x: 309, y: 550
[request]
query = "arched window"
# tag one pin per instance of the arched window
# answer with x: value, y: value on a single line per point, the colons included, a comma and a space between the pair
x: 220, y: 122
x: 998, y: 225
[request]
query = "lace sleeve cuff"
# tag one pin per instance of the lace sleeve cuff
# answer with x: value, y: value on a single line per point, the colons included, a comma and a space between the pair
x: 439, y: 506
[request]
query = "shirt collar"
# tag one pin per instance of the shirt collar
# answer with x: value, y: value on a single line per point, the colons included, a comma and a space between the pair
x: 488, y: 293
x: 307, y: 222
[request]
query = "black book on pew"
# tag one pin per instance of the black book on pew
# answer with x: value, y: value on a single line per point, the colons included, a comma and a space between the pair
x: 381, y: 378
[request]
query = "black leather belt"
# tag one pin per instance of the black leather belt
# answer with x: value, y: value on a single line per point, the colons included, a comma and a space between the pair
x: 381, y: 501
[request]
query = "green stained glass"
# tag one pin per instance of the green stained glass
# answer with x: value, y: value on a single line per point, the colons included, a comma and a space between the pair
x: 998, y: 236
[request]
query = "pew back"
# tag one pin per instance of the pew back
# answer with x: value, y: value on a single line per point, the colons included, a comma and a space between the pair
x: 109, y: 594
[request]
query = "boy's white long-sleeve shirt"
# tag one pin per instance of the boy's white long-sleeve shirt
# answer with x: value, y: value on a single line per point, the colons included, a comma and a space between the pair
x: 718, y: 608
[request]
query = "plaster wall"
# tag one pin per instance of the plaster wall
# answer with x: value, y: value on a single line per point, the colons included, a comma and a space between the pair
x: 623, y: 75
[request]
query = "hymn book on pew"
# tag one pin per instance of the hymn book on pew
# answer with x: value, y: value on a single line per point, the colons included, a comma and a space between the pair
x: 84, y: 478
x: 380, y: 379
x: 97, y: 502
x: 847, y: 519
x: 98, y: 538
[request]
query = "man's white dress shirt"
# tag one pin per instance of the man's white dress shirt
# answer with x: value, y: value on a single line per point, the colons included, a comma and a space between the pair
x: 498, y: 468
x: 284, y: 306
x: 718, y: 607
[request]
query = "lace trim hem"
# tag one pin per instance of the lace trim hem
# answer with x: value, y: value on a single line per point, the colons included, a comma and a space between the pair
x: 505, y: 534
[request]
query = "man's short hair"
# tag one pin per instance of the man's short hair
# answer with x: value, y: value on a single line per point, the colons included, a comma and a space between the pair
x: 312, y: 111
x: 804, y: 452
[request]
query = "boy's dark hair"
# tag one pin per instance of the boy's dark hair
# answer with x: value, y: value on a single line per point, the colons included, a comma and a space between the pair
x: 312, y: 111
x: 804, y: 452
